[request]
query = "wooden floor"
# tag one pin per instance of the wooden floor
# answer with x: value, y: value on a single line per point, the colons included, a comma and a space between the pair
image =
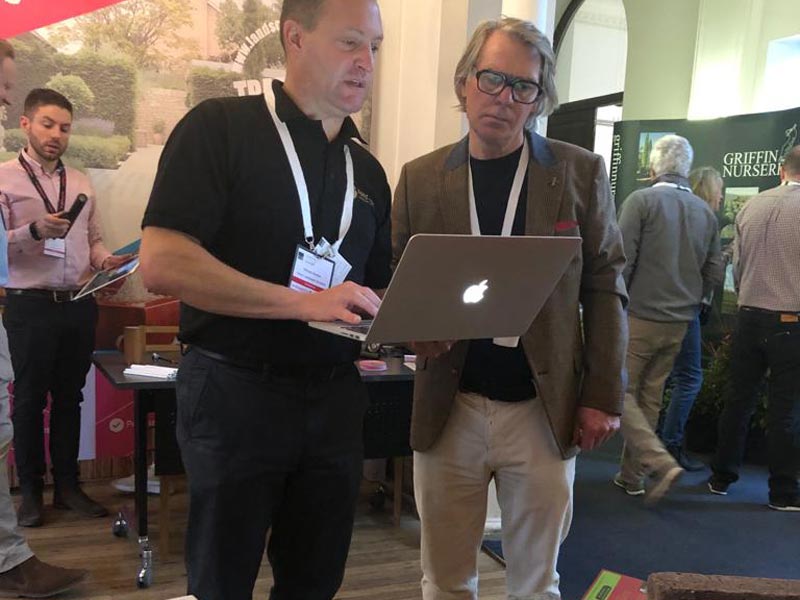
x: 383, y: 562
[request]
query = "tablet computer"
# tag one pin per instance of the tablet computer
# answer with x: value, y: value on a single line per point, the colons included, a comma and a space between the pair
x: 103, y: 278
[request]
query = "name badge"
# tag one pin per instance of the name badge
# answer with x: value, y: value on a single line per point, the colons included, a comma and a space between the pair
x: 310, y: 272
x: 342, y: 266
x: 55, y: 247
x: 342, y: 269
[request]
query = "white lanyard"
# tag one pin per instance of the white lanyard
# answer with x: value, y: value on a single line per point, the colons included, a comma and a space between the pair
x: 513, y: 197
x: 672, y: 185
x: 300, y: 181
x: 508, y: 219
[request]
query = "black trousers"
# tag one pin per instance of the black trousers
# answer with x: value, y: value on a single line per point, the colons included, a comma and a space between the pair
x: 51, y: 346
x: 262, y: 453
x: 762, y: 342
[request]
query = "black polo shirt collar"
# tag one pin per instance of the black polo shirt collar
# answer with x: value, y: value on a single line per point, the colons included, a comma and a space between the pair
x: 288, y: 111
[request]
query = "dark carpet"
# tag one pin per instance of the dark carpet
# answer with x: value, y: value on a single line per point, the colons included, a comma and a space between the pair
x: 691, y: 530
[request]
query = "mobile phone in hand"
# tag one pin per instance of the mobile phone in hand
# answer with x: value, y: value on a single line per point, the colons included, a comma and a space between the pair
x: 76, y: 208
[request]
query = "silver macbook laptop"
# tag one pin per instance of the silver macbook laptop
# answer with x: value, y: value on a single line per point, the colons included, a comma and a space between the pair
x: 462, y: 287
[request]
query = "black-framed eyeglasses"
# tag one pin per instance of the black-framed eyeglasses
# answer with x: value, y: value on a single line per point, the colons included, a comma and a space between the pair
x: 524, y: 91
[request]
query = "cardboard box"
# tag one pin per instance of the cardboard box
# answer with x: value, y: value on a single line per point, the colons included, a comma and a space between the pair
x: 609, y: 585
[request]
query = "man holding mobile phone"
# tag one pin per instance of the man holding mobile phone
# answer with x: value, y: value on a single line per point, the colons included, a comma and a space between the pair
x: 74, y: 211
x: 21, y: 572
x: 51, y: 338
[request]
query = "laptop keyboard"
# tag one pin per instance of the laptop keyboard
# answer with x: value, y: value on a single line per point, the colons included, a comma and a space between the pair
x: 362, y: 327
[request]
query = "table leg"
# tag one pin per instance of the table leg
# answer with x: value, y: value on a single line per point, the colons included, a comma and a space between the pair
x: 397, y: 508
x: 141, y: 409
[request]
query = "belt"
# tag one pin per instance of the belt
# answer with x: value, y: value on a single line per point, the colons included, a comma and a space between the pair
x: 517, y: 393
x: 301, y: 372
x: 52, y: 295
x: 785, y: 316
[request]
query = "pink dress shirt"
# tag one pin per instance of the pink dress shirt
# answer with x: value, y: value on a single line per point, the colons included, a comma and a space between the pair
x: 28, y: 266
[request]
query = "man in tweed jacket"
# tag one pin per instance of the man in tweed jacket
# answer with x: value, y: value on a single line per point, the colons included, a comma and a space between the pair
x: 518, y: 415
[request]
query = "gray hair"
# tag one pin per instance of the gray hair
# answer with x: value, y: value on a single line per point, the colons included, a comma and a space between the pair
x: 671, y: 154
x: 522, y: 31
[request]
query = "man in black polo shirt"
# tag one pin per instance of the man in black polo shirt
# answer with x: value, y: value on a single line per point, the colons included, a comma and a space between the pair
x: 249, y: 193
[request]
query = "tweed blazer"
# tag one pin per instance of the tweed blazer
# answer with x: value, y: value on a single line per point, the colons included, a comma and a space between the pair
x: 575, y: 362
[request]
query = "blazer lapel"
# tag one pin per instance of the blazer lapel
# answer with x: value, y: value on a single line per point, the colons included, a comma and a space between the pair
x: 545, y: 188
x: 454, y: 199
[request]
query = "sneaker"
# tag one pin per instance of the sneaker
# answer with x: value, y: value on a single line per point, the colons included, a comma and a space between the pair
x: 717, y: 486
x: 630, y: 488
x: 787, y: 505
x: 663, y: 485
x: 127, y: 484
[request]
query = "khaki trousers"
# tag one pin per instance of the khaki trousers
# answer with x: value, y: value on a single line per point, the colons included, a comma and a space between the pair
x: 14, y: 550
x: 513, y: 443
x: 652, y: 349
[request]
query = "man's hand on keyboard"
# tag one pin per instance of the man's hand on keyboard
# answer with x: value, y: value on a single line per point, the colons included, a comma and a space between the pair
x: 345, y: 302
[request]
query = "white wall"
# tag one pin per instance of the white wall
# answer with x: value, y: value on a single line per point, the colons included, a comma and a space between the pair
x: 732, y: 74
x: 777, y: 91
x: 413, y: 101
x: 592, y: 56
x: 480, y: 11
x: 706, y: 58
x: 661, y: 43
x: 725, y: 53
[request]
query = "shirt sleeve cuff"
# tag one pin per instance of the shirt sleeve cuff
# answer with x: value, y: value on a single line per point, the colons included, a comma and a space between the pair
x: 22, y: 238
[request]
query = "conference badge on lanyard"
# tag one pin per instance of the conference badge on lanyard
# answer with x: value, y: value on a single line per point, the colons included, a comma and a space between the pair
x: 317, y: 266
x: 311, y: 272
x: 55, y: 247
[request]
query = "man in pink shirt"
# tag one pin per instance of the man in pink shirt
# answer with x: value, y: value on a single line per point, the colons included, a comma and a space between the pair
x: 51, y: 337
x: 21, y: 572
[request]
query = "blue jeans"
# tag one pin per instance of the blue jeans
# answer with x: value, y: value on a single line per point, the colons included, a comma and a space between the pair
x: 687, y: 379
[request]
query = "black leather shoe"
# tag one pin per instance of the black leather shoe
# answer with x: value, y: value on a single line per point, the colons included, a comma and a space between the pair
x: 31, y: 510
x: 685, y: 460
x: 35, y: 579
x: 73, y: 498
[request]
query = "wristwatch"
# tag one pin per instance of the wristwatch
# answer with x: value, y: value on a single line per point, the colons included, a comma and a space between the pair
x: 34, y: 233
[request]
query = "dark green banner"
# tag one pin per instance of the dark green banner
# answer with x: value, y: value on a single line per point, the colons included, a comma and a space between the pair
x: 745, y: 149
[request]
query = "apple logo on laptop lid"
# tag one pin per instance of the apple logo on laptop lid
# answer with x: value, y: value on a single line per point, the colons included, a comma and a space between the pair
x: 474, y: 293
